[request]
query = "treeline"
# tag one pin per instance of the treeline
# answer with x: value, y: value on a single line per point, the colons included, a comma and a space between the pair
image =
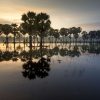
x: 38, y: 27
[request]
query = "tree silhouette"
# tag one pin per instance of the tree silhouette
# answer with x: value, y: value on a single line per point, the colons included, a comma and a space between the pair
x: 14, y: 32
x: 76, y: 32
x: 92, y: 35
x: 56, y: 35
x: 84, y: 36
x: 6, y: 29
x: 39, y: 69
x: 98, y: 35
x: 64, y: 32
x: 22, y: 30
x: 1, y: 28
x: 29, y: 25
x: 50, y: 33
x: 43, y: 25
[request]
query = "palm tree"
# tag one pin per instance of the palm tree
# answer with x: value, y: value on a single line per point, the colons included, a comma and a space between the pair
x: 56, y: 35
x: 92, y: 35
x: 50, y: 33
x: 0, y: 29
x: 66, y: 33
x: 76, y: 32
x: 62, y: 33
x: 98, y: 35
x: 6, y: 29
x: 14, y: 32
x: 43, y: 25
x: 22, y: 30
x: 84, y: 36
x: 29, y: 22
x: 70, y: 33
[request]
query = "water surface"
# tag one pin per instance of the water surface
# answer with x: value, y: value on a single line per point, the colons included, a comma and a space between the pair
x: 57, y: 72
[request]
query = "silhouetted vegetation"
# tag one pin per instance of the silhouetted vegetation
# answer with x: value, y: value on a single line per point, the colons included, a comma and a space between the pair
x: 40, y: 69
x: 38, y: 27
x: 71, y: 51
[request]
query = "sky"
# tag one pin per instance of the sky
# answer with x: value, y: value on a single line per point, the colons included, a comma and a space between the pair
x: 63, y: 13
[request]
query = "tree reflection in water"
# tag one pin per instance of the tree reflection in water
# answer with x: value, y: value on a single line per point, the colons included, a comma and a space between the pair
x: 73, y: 51
x: 39, y: 69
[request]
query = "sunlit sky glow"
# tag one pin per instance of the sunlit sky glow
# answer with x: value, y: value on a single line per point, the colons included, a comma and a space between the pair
x: 63, y: 13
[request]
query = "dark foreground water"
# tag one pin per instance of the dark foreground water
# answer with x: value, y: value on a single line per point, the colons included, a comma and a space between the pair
x: 59, y: 72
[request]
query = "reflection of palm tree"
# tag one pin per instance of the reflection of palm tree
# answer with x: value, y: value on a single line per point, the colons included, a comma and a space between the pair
x: 15, y: 56
x: 74, y: 52
x: 1, y: 58
x: 63, y: 52
x: 93, y: 48
x: 84, y: 48
x: 36, y: 69
x: 56, y: 50
x: 40, y: 69
x: 7, y: 55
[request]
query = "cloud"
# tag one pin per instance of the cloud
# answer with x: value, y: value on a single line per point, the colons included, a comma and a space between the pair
x: 3, y: 21
x: 63, y: 13
x: 90, y: 26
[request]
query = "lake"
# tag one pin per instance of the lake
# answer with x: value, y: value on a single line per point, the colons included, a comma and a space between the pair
x: 55, y: 72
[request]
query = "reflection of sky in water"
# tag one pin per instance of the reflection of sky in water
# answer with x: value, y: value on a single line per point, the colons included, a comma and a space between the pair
x: 70, y: 79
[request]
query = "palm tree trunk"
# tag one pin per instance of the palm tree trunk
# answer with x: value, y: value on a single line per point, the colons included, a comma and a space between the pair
x: 41, y: 42
x: 30, y: 42
x: 14, y: 42
x: 6, y: 41
x: 70, y: 38
x: 63, y: 39
x: 24, y: 42
x: 19, y: 40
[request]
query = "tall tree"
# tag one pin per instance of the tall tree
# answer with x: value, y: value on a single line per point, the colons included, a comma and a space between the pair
x: 1, y: 28
x: 50, y: 33
x: 98, y: 35
x: 92, y: 35
x: 76, y: 32
x: 43, y: 25
x: 22, y: 30
x: 56, y: 35
x: 14, y: 32
x: 66, y: 34
x: 6, y: 29
x: 70, y: 33
x: 29, y: 22
x: 62, y: 33
x: 84, y: 36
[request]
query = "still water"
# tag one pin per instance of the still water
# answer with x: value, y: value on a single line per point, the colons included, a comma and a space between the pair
x: 55, y: 72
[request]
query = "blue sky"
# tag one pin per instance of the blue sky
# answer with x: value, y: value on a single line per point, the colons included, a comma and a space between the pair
x: 63, y: 13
